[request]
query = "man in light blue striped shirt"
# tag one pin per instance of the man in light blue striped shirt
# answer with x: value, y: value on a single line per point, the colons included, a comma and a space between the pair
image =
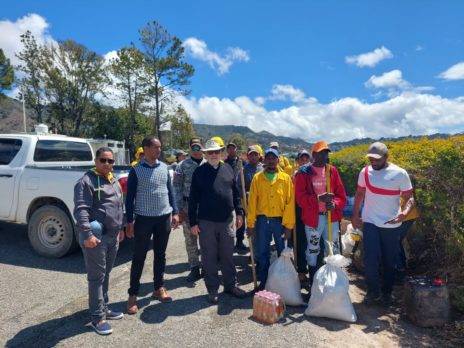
x: 150, y: 197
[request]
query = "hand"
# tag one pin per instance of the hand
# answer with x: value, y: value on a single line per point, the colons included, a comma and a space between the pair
x: 356, y: 222
x: 330, y: 205
x: 251, y: 231
x: 195, y: 230
x: 287, y: 233
x: 91, y: 242
x: 238, y: 221
x: 121, y: 236
x: 182, y: 216
x: 326, y: 197
x: 130, y: 230
x: 175, y: 221
x: 400, y: 217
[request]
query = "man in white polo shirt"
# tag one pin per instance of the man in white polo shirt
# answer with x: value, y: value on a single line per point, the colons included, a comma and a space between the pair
x: 380, y: 186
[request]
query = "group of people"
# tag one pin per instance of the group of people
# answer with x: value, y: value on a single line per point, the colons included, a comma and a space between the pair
x: 220, y: 200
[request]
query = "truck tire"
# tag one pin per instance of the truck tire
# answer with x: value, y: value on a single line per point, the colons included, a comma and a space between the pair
x: 51, y: 232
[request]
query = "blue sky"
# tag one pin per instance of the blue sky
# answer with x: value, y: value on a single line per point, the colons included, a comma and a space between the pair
x: 292, y: 76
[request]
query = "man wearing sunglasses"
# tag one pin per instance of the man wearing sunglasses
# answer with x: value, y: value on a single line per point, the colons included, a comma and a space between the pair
x: 214, y: 214
x: 150, y: 197
x: 98, y: 210
x: 182, y: 182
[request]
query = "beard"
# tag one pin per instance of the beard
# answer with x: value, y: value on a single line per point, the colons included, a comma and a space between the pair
x: 214, y: 162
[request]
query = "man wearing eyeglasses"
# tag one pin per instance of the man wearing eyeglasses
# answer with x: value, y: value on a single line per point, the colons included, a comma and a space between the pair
x: 182, y: 181
x: 98, y: 210
x: 214, y: 214
x: 150, y: 197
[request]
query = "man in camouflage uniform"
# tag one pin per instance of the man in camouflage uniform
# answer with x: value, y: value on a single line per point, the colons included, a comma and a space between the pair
x: 182, y: 181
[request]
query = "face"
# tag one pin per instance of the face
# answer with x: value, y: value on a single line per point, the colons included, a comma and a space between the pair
x: 213, y: 157
x: 378, y: 163
x: 303, y: 159
x: 321, y: 158
x: 153, y: 151
x: 253, y: 158
x: 104, y: 163
x: 195, y: 151
x: 270, y: 162
x: 231, y: 151
x: 181, y: 157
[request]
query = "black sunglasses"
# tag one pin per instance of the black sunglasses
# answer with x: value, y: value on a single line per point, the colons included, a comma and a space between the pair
x: 196, y: 148
x: 215, y: 152
x: 106, y: 160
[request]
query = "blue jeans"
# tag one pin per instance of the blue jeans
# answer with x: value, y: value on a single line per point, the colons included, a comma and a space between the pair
x: 381, y: 245
x: 266, y: 229
x: 313, y: 237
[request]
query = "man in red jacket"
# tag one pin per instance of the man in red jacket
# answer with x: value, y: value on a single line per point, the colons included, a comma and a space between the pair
x: 312, y: 196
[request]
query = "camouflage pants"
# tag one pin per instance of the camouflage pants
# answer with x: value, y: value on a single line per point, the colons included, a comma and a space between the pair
x: 191, y: 245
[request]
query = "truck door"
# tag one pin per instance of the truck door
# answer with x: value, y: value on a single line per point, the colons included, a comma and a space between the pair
x: 9, y: 148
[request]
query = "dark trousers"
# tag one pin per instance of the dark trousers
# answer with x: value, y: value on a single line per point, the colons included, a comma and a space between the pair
x: 145, y: 227
x: 404, y: 228
x: 381, y: 247
x: 99, y: 262
x: 240, y: 234
x: 217, y: 250
x: 301, y: 243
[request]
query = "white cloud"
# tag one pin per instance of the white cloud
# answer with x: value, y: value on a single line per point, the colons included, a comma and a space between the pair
x: 10, y: 40
x: 370, y: 59
x: 287, y: 92
x: 394, y: 84
x: 198, y: 49
x: 419, y: 48
x: 340, y: 120
x: 389, y: 79
x: 456, y: 72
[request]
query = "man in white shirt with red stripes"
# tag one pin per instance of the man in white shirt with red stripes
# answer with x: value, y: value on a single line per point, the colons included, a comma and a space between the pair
x: 380, y: 186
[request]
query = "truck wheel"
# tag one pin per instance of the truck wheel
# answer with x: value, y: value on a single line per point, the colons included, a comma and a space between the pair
x: 51, y: 232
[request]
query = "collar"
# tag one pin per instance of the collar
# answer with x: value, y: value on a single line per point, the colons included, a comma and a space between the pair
x: 108, y: 177
x: 146, y: 164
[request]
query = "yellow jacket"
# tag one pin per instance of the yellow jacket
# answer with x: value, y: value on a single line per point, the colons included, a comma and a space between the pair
x: 285, y: 165
x: 273, y: 199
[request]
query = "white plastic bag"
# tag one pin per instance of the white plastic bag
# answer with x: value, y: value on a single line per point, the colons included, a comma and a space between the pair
x: 329, y: 292
x: 283, y: 279
x: 349, y: 240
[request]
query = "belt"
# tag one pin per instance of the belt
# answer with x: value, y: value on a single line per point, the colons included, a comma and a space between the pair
x: 279, y: 218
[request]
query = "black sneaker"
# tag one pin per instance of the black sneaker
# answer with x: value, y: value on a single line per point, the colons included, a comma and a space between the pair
x: 194, y: 274
x: 213, y: 298
x: 236, y: 292
x: 371, y: 299
x: 101, y: 327
x: 386, y: 300
x: 113, y: 315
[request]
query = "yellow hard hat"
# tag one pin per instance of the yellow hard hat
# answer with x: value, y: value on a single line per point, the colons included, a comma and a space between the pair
x: 260, y: 149
x: 138, y: 152
x: 218, y: 140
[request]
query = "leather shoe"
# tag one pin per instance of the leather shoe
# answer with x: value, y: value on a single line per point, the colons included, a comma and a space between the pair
x: 236, y: 292
x: 213, y: 298
x: 132, y: 305
x: 162, y: 295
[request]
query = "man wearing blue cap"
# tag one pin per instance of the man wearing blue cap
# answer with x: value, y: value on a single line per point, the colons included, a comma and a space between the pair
x: 271, y: 211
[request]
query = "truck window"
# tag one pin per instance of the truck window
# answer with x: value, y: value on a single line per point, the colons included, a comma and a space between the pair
x: 61, y: 151
x: 8, y: 149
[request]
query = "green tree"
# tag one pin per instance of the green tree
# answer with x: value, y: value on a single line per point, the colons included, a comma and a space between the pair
x: 32, y: 84
x: 238, y: 140
x: 73, y: 76
x: 6, y: 73
x: 130, y: 77
x: 181, y: 128
x: 169, y: 72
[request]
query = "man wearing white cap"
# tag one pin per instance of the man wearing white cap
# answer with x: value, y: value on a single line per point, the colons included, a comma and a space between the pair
x: 380, y: 187
x: 215, y: 212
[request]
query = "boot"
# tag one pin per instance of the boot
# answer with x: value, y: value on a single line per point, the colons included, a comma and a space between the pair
x: 194, y: 274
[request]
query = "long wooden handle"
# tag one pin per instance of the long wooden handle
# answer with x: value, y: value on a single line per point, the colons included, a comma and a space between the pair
x: 329, y: 212
x: 250, y: 239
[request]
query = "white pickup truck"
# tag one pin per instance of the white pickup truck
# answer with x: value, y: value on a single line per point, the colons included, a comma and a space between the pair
x: 37, y: 178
